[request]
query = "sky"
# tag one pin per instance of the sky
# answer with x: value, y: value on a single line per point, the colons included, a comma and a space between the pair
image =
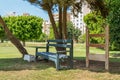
x: 20, y: 7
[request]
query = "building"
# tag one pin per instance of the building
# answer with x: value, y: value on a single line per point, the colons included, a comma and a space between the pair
x: 78, y: 22
x: 26, y: 14
x: 15, y: 14
x: 46, y: 27
x: 11, y: 14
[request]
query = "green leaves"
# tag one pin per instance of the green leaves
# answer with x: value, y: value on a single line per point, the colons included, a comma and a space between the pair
x: 25, y: 27
x: 95, y: 23
x: 73, y: 33
x: 114, y: 21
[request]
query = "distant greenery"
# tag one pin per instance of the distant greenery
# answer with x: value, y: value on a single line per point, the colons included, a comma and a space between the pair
x: 51, y: 34
x: 43, y: 37
x: 82, y: 38
x: 72, y: 31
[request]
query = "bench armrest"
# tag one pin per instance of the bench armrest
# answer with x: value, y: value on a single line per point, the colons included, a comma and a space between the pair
x: 39, y: 48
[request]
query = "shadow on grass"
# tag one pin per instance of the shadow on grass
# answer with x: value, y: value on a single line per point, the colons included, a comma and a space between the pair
x: 98, y: 66
x: 14, y: 64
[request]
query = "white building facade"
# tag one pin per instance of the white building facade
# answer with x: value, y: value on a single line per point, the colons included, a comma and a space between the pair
x: 78, y: 22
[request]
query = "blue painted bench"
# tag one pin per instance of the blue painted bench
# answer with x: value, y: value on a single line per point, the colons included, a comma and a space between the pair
x: 58, y: 56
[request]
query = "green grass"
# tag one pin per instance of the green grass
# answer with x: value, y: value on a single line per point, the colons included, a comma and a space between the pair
x: 13, y: 67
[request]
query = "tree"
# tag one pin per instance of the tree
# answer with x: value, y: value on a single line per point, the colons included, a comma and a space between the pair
x: 114, y: 22
x: 100, y: 6
x: 95, y: 23
x: 73, y: 33
x: 61, y: 7
x: 77, y: 33
x: 43, y: 37
x: 2, y: 34
x: 25, y: 27
x: 12, y: 38
x: 51, y: 35
x: 113, y: 19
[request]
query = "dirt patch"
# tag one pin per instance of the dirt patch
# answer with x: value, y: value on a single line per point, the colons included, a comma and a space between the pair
x: 114, y: 67
x: 96, y: 66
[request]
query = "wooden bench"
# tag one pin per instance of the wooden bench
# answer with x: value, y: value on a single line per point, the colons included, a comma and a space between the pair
x: 58, y: 56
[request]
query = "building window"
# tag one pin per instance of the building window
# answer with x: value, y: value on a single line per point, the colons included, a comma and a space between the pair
x: 77, y: 24
x: 81, y: 15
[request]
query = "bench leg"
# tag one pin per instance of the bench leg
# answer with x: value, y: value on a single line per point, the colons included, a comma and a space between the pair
x: 57, y: 65
x: 70, y: 60
x: 36, y: 58
x: 71, y: 64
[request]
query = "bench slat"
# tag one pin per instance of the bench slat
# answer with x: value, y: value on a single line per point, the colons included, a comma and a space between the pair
x: 50, y: 54
x: 60, y: 45
x: 59, y: 40
x: 63, y: 51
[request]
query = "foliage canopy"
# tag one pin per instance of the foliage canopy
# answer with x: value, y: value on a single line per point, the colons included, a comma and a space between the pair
x: 25, y: 27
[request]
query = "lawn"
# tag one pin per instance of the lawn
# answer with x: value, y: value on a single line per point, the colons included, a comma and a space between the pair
x: 12, y: 67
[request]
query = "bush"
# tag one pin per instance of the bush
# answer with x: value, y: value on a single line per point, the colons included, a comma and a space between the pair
x: 82, y: 38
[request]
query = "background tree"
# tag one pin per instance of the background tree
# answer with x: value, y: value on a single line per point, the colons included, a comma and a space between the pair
x: 95, y: 23
x: 72, y: 32
x: 114, y: 22
x: 51, y: 35
x: 43, y: 37
x: 12, y: 38
x: 25, y: 27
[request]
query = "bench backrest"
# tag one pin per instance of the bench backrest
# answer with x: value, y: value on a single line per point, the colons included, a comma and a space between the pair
x: 61, y: 43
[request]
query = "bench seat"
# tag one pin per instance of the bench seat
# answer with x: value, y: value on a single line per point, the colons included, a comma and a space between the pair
x: 58, y: 56
x: 50, y: 54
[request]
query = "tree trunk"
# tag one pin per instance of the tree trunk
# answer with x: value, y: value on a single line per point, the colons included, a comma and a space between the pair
x: 60, y: 22
x: 65, y: 22
x: 57, y: 36
x: 12, y: 38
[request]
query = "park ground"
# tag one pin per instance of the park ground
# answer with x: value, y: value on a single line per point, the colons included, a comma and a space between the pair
x: 13, y: 67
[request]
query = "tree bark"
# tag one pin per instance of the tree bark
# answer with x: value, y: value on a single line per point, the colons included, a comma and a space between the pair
x: 12, y: 38
x: 60, y: 22
x: 57, y: 36
x: 65, y: 22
